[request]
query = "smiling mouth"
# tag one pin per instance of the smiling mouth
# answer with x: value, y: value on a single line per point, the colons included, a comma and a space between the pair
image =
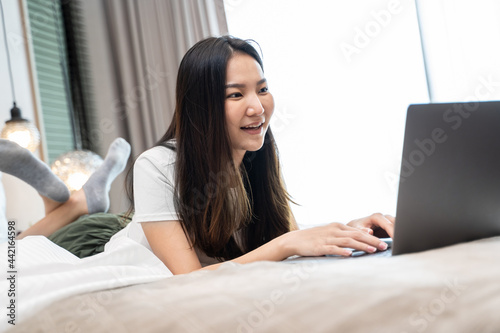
x: 252, y: 127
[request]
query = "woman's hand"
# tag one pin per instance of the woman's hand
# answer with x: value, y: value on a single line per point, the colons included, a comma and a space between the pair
x: 331, y: 239
x: 376, y: 224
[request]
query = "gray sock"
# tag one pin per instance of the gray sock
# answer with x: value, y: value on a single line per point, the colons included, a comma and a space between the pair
x: 21, y: 163
x: 97, y: 187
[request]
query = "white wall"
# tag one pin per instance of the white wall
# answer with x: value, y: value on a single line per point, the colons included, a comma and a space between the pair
x: 23, y: 203
x: 341, y: 97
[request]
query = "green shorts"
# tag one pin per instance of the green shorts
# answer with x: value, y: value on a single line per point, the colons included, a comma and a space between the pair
x: 89, y: 234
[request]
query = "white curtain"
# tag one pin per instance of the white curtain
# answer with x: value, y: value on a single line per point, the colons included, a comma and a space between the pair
x: 462, y: 49
x: 342, y: 80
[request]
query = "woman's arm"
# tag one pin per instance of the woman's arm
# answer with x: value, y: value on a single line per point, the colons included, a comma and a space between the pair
x: 171, y: 246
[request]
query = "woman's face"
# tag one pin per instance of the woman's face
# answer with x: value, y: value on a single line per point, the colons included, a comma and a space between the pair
x: 249, y: 105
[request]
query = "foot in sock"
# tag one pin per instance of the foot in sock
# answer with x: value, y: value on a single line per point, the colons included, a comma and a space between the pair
x: 97, y: 187
x: 21, y: 163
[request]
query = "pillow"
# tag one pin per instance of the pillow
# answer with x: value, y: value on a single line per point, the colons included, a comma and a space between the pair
x: 3, y: 218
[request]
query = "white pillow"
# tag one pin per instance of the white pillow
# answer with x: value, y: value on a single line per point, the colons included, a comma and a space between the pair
x: 3, y: 218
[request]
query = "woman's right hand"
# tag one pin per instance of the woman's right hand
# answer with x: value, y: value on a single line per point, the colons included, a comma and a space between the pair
x: 330, y: 239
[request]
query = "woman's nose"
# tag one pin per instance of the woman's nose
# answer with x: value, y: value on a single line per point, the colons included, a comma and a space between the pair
x: 255, y: 107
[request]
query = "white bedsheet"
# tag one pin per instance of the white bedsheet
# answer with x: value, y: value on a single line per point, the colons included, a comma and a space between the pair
x: 452, y: 289
x: 47, y: 273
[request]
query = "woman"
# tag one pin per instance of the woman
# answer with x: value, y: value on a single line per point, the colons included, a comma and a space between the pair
x: 212, y: 187
x: 211, y: 190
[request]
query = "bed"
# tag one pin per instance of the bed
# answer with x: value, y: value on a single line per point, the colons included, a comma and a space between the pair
x: 452, y: 289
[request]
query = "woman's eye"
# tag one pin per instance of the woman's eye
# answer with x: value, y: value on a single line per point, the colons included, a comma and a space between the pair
x: 234, y: 95
x: 264, y: 90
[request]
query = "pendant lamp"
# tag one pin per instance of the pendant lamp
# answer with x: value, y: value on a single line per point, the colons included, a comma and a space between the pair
x: 17, y: 129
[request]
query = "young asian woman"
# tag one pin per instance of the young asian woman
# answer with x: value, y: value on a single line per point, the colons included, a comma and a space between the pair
x: 211, y: 190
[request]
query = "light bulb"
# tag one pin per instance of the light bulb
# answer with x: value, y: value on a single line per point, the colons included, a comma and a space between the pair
x: 75, y: 167
x: 23, y: 133
x: 76, y: 180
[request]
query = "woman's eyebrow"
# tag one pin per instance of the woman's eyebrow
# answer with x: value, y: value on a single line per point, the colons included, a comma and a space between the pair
x: 241, y: 85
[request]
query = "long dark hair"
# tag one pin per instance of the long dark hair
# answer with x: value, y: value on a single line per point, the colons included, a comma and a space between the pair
x: 213, y: 197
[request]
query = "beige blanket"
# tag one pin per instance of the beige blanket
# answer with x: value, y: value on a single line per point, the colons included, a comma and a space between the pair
x: 453, y: 289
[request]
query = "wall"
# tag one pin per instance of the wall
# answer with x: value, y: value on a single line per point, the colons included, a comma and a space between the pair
x: 23, y: 203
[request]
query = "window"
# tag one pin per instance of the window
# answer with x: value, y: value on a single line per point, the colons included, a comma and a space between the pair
x: 48, y: 52
x: 59, y: 45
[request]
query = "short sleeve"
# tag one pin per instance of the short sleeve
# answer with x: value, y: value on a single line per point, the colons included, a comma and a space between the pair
x: 154, y: 173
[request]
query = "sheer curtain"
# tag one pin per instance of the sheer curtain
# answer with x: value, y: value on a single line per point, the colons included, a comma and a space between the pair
x: 462, y: 48
x: 135, y: 48
x: 342, y: 74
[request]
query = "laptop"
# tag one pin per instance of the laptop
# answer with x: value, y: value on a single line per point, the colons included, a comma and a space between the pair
x: 449, y: 189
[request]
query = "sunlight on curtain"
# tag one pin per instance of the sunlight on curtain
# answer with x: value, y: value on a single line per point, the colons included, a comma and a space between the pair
x: 462, y: 48
x: 343, y: 74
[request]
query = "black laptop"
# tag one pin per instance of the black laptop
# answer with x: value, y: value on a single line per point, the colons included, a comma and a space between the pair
x: 449, y: 190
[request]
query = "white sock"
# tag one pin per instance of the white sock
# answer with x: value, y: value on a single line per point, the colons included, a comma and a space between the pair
x: 97, y: 186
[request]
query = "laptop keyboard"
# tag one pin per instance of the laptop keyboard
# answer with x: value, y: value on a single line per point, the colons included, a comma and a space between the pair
x: 386, y: 253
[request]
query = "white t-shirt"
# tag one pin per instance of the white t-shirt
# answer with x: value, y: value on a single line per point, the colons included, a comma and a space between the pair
x: 154, y: 177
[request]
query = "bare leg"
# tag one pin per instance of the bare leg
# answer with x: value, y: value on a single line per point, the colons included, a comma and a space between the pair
x: 62, y: 215
x: 49, y: 204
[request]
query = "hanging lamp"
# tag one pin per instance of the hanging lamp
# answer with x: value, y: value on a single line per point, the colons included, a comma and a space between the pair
x: 17, y: 129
